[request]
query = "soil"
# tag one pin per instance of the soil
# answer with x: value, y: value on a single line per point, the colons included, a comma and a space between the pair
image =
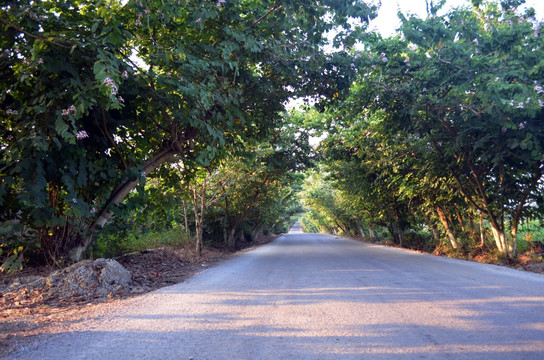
x: 532, y: 260
x: 26, y: 313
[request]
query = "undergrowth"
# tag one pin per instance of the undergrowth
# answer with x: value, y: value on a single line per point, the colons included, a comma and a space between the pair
x: 112, y: 245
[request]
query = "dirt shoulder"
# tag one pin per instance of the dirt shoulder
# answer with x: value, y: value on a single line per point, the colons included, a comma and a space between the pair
x: 532, y: 262
x: 26, y: 313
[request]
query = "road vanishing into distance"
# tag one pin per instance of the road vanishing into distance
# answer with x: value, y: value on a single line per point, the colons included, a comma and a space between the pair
x: 314, y: 296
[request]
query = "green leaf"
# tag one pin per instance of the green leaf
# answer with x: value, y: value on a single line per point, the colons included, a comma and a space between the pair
x: 60, y: 126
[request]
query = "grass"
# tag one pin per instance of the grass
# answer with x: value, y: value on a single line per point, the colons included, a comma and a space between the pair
x: 114, y: 245
x: 529, y: 232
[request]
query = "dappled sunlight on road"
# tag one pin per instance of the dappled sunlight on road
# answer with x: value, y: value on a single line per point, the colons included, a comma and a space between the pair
x: 376, y: 321
x: 308, y: 296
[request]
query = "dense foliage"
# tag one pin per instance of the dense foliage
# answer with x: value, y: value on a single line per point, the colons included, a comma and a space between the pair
x: 124, y: 118
x: 443, y: 128
x: 96, y: 95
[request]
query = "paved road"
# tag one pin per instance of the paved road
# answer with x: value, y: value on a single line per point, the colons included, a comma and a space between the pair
x: 309, y: 296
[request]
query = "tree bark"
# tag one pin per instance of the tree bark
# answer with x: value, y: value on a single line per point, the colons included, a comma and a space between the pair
x: 199, y: 196
x: 449, y: 233
x: 186, y: 218
x: 399, y: 228
x: 499, y: 236
x: 482, y: 231
x: 360, y: 229
x: 231, y: 242
x: 371, y: 231
x: 460, y: 218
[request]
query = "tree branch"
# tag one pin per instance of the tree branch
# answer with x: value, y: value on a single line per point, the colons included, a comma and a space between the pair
x: 274, y: 8
x: 15, y: 27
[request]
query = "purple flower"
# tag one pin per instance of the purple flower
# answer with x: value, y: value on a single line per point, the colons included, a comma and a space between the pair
x: 71, y: 110
x: 111, y: 85
x: 82, y: 135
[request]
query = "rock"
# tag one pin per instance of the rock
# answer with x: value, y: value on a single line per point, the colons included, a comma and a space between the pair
x: 77, y: 279
x: 113, y: 274
x: 99, y: 278
x: 102, y: 292
x: 28, y: 282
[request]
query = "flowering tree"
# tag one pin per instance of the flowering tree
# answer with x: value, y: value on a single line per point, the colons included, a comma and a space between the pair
x: 97, y: 95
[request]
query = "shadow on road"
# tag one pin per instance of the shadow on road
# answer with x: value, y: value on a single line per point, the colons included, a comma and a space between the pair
x: 301, y: 297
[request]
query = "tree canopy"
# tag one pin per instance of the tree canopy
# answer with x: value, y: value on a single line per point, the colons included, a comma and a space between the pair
x: 96, y: 95
x: 115, y: 110
x: 445, y: 121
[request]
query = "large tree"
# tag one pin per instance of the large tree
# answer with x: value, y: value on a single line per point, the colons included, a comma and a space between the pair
x: 466, y: 88
x: 98, y: 94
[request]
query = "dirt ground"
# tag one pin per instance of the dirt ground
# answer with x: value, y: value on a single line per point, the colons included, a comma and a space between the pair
x: 26, y: 313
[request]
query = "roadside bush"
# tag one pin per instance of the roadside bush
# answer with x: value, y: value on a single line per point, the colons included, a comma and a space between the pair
x: 419, y: 240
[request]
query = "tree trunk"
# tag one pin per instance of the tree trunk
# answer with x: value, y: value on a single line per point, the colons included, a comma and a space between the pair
x: 500, y: 237
x: 198, y: 234
x: 231, y: 242
x: 513, y: 244
x: 399, y: 228
x: 391, y: 230
x: 337, y: 223
x: 371, y: 231
x: 482, y: 230
x: 400, y: 234
x: 471, y: 224
x: 460, y: 218
x: 75, y: 253
x: 186, y: 218
x: 256, y: 234
x: 360, y: 229
x: 449, y: 233
x: 199, y: 199
x: 434, y: 229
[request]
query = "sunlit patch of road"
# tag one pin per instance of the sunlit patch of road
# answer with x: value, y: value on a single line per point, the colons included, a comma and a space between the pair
x: 311, y: 296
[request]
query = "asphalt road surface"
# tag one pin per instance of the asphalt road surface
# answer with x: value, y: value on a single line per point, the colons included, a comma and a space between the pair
x: 308, y: 296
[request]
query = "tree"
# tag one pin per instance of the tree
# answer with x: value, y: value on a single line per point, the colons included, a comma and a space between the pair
x: 98, y: 95
x: 464, y: 87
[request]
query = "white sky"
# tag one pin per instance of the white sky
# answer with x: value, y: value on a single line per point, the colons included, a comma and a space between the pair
x: 387, y: 20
